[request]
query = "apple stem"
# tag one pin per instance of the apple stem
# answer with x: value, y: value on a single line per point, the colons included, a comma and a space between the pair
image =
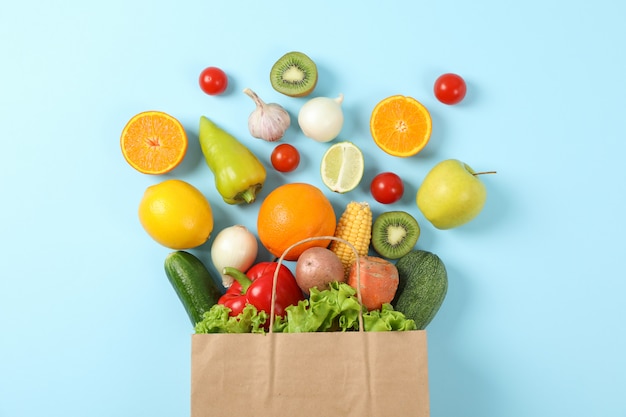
x: 485, y: 172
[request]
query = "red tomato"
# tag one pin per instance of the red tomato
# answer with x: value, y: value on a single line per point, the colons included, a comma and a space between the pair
x: 213, y: 81
x: 450, y: 88
x: 285, y: 158
x: 387, y: 188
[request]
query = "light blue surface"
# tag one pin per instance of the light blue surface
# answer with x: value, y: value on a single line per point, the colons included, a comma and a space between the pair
x: 533, y: 324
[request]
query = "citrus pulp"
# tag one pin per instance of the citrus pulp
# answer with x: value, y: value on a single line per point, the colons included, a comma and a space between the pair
x: 342, y: 167
x: 153, y: 142
x: 400, y: 125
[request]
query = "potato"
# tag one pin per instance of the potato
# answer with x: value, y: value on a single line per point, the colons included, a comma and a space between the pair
x: 317, y: 267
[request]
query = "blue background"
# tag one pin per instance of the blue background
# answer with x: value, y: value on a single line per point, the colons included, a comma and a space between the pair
x: 533, y: 324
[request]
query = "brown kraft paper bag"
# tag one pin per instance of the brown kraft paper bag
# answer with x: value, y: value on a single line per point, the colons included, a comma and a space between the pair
x: 334, y: 374
x: 321, y: 374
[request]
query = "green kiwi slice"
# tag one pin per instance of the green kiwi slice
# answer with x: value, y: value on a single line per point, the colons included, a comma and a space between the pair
x: 394, y: 234
x: 294, y: 74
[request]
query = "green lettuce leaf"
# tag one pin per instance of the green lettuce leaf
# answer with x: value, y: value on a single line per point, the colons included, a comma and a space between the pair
x: 334, y: 309
x: 387, y: 319
x: 337, y: 309
x: 217, y: 320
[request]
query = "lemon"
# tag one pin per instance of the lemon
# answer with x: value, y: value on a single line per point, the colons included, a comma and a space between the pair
x: 342, y: 167
x: 176, y: 214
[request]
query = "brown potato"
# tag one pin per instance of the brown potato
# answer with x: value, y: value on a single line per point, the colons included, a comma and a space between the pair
x: 317, y: 267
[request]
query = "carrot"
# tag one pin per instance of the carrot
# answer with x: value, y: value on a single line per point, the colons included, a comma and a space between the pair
x: 379, y: 281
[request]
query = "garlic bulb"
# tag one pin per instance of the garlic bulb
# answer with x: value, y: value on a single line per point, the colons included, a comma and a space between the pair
x: 268, y: 121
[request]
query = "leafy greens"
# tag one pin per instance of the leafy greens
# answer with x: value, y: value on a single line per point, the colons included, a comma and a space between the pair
x: 334, y: 309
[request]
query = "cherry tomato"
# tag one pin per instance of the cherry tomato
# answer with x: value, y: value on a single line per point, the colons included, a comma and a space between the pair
x: 387, y: 188
x: 213, y: 81
x: 450, y: 88
x: 285, y: 158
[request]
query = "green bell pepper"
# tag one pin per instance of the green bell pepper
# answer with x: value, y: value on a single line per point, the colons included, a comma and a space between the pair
x: 239, y: 175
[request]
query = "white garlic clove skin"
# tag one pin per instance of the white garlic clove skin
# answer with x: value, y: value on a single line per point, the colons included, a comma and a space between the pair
x: 268, y: 122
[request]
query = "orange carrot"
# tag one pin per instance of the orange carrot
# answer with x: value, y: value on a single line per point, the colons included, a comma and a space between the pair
x: 379, y: 281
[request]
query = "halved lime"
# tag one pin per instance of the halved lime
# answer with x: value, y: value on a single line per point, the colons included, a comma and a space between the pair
x: 342, y: 167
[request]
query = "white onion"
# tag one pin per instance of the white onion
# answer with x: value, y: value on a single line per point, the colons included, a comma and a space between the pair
x: 234, y: 246
x: 321, y: 118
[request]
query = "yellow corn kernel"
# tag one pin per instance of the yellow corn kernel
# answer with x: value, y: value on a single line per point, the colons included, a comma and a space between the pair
x: 354, y: 226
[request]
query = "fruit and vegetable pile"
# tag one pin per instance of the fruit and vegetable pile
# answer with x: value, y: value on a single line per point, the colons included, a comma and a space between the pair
x: 350, y: 269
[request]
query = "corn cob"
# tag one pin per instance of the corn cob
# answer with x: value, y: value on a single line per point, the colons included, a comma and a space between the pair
x: 354, y: 226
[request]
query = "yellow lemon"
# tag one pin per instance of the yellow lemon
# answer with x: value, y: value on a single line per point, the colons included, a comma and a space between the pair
x: 176, y: 214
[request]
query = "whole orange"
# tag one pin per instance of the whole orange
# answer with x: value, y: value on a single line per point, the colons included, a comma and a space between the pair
x: 293, y: 212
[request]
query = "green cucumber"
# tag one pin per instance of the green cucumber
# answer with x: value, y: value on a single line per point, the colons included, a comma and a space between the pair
x: 193, y: 283
x: 422, y: 288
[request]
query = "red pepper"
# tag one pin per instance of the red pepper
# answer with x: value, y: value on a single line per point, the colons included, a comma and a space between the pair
x: 255, y: 287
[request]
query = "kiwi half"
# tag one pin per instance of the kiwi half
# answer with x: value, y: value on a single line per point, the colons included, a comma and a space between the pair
x: 294, y: 74
x: 394, y: 234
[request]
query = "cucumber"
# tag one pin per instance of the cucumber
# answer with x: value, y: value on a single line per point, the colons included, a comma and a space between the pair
x: 193, y: 283
x: 422, y: 288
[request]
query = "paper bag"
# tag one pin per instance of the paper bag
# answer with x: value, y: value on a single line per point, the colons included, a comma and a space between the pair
x: 334, y: 374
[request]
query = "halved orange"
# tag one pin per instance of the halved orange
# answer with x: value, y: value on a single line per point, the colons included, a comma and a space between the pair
x: 153, y: 142
x: 400, y: 125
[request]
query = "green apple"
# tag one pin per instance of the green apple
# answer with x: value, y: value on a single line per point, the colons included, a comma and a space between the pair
x: 451, y: 194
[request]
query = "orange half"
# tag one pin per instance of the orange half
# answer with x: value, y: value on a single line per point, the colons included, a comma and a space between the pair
x: 400, y: 125
x: 153, y: 142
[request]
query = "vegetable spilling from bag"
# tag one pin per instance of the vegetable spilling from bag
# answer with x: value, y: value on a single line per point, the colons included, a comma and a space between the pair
x: 255, y: 288
x: 413, y: 293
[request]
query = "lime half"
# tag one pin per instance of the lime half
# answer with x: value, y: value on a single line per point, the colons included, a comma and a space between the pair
x: 342, y: 167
